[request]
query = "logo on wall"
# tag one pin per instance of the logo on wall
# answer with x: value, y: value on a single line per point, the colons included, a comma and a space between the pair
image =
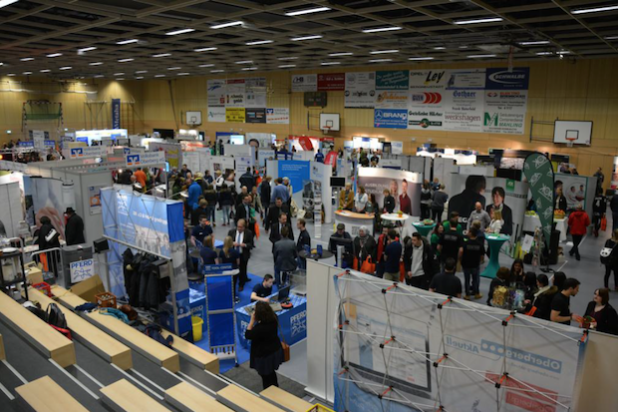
x: 427, y: 98
x: 133, y: 160
x: 79, y: 152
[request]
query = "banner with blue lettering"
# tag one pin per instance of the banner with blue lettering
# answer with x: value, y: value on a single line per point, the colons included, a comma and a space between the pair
x: 299, y: 173
x: 390, y: 118
x: 115, y: 113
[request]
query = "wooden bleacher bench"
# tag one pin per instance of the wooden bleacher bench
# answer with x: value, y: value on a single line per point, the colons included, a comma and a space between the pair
x: 152, y: 349
x: 239, y: 399
x: 123, y: 396
x: 188, y: 398
x: 285, y: 399
x: 39, y: 333
x: 2, y: 353
x: 193, y: 353
x: 100, y: 342
x: 45, y: 395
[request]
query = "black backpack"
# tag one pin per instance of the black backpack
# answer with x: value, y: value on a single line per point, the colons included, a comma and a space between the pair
x: 55, y: 317
x: 40, y: 313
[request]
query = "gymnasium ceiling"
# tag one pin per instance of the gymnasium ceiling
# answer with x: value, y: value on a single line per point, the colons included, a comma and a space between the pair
x: 80, y: 38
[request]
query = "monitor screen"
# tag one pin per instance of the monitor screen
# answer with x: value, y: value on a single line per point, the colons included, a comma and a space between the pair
x: 237, y: 139
x: 337, y: 181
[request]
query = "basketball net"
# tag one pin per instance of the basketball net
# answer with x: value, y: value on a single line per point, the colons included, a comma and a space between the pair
x: 570, y: 141
x: 326, y: 129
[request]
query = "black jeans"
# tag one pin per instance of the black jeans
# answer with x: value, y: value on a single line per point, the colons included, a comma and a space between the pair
x: 425, y: 213
x: 242, y: 271
x: 270, y: 380
x: 436, y: 214
x: 608, y: 272
x: 417, y: 281
x: 577, y: 239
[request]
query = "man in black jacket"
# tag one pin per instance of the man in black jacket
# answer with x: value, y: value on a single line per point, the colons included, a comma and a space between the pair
x: 303, y: 239
x: 243, y: 242
x: 243, y: 211
x: 247, y: 180
x: 74, y: 231
x: 275, y: 229
x: 265, y: 194
x: 419, y: 261
x: 274, y: 211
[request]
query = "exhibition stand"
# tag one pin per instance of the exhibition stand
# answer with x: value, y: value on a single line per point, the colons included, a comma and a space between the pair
x: 354, y: 221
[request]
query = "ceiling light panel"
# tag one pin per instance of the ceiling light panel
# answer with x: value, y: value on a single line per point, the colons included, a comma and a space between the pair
x: 478, y: 21
x: 225, y: 25
x: 307, y: 11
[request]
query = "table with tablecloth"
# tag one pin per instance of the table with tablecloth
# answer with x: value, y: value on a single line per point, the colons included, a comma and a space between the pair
x: 293, y: 321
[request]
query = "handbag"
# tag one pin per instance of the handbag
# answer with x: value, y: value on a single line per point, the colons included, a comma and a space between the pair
x: 284, y: 346
x: 605, y: 254
x: 368, y: 266
x: 603, y: 223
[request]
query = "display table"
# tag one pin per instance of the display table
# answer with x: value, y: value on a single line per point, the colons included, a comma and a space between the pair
x: 531, y: 222
x: 353, y: 221
x: 293, y: 321
x: 495, y: 243
x: 422, y: 228
x: 394, y: 217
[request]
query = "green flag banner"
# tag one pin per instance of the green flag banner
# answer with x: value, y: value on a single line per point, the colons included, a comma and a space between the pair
x: 540, y: 175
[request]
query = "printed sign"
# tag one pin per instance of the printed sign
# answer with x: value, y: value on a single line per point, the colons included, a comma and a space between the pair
x: 426, y: 109
x: 428, y: 79
x: 146, y: 159
x: 255, y: 115
x: 466, y: 79
x: 391, y: 118
x: 331, y: 81
x: 396, y: 148
x: 393, y: 80
x: 304, y: 83
x: 216, y: 114
x: 216, y: 93
x: 81, y: 270
x: 255, y: 92
x: 86, y: 152
x: 503, y: 79
x: 388, y: 99
x: 235, y: 115
x: 94, y: 196
x: 278, y: 115
x: 115, y: 113
x: 235, y: 93
x: 360, y: 90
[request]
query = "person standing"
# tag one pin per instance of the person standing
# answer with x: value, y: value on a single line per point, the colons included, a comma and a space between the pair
x: 360, y: 200
x: 226, y: 201
x: 194, y: 191
x: 184, y: 171
x: 611, y: 261
x: 364, y: 247
x: 382, y: 243
x: 578, y: 223
x: 447, y: 283
x: 229, y: 255
x: 392, y: 254
x: 247, y: 180
x: 279, y: 191
x: 274, y: 211
x: 200, y: 231
x: 276, y: 230
x: 211, y: 198
x: 285, y: 255
x: 473, y: 255
x: 438, y: 200
x: 304, y: 240
x: 319, y: 157
x: 543, y: 297
x: 74, y: 228
x: 140, y: 176
x: 600, y: 177
x: 560, y: 305
x: 425, y: 201
x: 419, y: 261
x: 604, y: 315
x: 266, y: 351
x: 450, y: 243
x: 405, y: 204
x: 208, y: 254
x: 560, y: 202
x: 480, y: 215
x: 389, y: 202
x: 243, y: 210
x: 265, y: 194
x: 201, y: 210
x: 346, y: 198
x: 244, y: 243
x: 599, y: 208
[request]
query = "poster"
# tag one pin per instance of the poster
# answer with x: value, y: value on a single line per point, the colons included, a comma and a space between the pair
x: 573, y: 188
x: 235, y: 93
x: 81, y: 270
x: 216, y: 114
x: 264, y: 155
x: 506, y: 99
x: 397, y: 148
x: 360, y: 90
x: 173, y: 153
x: 94, y: 199
x: 278, y: 115
x: 299, y: 173
x: 255, y: 115
x: 469, y: 192
x: 216, y: 93
x: 50, y: 198
x: 393, y: 80
x: 388, y: 99
x: 255, y: 92
x: 331, y: 82
x: 376, y: 180
x: 391, y: 118
x: 235, y: 115
x: 304, y: 83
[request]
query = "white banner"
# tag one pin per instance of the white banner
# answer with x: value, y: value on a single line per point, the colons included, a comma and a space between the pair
x: 216, y: 114
x: 85, y: 152
x: 216, y: 93
x: 391, y: 99
x: 235, y: 93
x: 304, y: 83
x: 505, y: 111
x: 146, y: 159
x: 278, y: 115
x: 360, y: 90
x: 81, y: 270
x: 255, y: 92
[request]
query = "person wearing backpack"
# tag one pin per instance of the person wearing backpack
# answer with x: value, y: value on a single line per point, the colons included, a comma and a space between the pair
x: 609, y: 258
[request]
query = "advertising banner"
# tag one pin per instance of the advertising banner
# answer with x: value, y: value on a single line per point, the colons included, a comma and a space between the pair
x: 304, y: 83
x: 255, y: 115
x: 391, y: 118
x: 574, y: 188
x: 331, y: 82
x: 463, y: 110
x: 173, y: 152
x: 264, y: 155
x: 506, y: 100
x: 86, y: 152
x: 376, y: 180
x: 50, y: 197
x: 236, y: 115
x: 115, y: 113
x: 540, y: 176
x: 216, y: 114
x: 393, y: 80
x: 299, y: 173
x: 255, y: 92
x: 94, y: 199
x: 146, y: 159
x: 360, y: 90
x: 278, y: 115
x: 388, y: 99
x: 428, y: 79
x: 397, y: 148
x: 216, y: 93
x: 235, y: 93
x: 426, y: 100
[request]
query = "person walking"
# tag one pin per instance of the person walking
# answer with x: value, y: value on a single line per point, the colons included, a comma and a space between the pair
x: 74, y: 228
x: 304, y: 240
x: 392, y: 254
x: 226, y: 201
x: 438, y: 200
x: 419, y: 261
x: 480, y: 215
x: 274, y: 211
x: 599, y: 208
x: 613, y: 205
x: 265, y: 194
x: 285, y: 255
x: 578, y: 223
x: 561, y: 304
x: 247, y: 180
x: 244, y: 243
x: 604, y: 314
x: 611, y: 261
x: 473, y: 255
x: 266, y: 351
x: 276, y: 230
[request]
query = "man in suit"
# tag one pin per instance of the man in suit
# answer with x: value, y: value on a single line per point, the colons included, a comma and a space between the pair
x: 285, y: 254
x: 303, y: 239
x: 274, y: 211
x: 243, y: 242
x: 243, y: 211
x: 276, y: 229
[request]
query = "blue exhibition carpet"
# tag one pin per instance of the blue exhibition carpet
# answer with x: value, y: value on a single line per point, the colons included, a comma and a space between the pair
x: 245, y: 299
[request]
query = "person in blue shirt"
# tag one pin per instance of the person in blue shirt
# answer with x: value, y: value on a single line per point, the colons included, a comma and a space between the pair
x: 200, y: 231
x: 280, y: 191
x: 319, y: 157
x: 195, y: 191
x: 393, y: 256
x: 208, y: 254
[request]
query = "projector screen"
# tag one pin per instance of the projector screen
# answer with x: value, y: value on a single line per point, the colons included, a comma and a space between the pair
x: 577, y: 132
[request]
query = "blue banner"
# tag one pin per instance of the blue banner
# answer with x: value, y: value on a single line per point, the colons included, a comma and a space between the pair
x: 391, y: 118
x: 115, y: 113
x: 298, y: 171
x: 503, y: 79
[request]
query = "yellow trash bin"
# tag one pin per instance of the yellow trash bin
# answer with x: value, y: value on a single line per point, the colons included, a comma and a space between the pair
x: 197, y: 328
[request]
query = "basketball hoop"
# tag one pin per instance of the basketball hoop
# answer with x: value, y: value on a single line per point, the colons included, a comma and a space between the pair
x: 570, y: 140
x: 326, y: 129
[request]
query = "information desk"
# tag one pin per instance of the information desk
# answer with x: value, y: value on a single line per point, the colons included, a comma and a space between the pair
x: 293, y: 321
x: 353, y: 221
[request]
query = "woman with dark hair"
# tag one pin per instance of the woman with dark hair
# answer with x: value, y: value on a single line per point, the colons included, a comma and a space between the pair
x: 502, y: 279
x: 517, y: 272
x: 435, y: 237
x: 559, y: 279
x: 611, y: 262
x: 530, y: 286
x: 602, y: 312
x: 266, y: 351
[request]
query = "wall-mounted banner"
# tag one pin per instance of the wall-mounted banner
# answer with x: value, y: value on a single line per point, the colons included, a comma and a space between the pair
x: 235, y: 93
x: 463, y: 110
x: 216, y: 114
x: 506, y: 100
x: 235, y: 115
x: 305, y: 83
x: 115, y: 113
x: 466, y: 79
x: 264, y: 155
x: 428, y: 79
x: 376, y: 180
x: 392, y: 80
x: 216, y: 93
x: 389, y: 99
x: 278, y: 115
x: 146, y: 159
x: 360, y: 90
x: 255, y: 92
x: 503, y: 79
x: 390, y: 118
x: 396, y: 147
x: 255, y: 115
x: 331, y: 82
x: 172, y: 151
x: 86, y: 152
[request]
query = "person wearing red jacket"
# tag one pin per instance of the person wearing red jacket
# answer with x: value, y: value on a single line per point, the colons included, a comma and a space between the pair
x: 578, y: 224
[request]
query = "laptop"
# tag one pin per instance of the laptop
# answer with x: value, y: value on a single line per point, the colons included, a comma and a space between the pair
x: 283, y: 296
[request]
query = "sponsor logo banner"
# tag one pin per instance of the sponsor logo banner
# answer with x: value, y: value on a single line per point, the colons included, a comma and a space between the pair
x: 236, y: 115
x: 216, y: 114
x: 505, y: 111
x: 389, y: 99
x: 216, y: 93
x: 255, y: 115
x: 115, y: 113
x: 235, y: 96
x: 331, y: 81
x: 360, y: 90
x: 86, y: 152
x: 503, y: 79
x: 393, y: 80
x: 428, y: 79
x: 305, y: 83
x: 391, y: 118
x: 255, y: 92
x: 278, y: 115
x: 466, y: 79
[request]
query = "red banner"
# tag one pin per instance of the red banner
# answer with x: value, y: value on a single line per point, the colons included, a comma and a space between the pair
x: 331, y: 82
x: 331, y: 159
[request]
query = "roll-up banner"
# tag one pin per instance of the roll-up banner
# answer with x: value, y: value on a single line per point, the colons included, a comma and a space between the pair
x: 540, y: 176
x: 115, y: 113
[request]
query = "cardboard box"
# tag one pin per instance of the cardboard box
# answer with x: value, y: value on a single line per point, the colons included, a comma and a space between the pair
x: 34, y: 275
x: 86, y: 289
